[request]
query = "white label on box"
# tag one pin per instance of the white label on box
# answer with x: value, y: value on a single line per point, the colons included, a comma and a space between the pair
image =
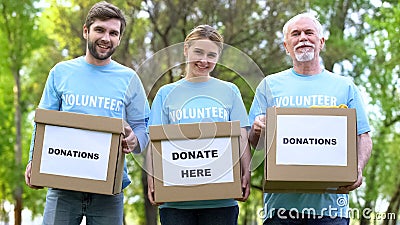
x: 311, y: 140
x: 194, y: 162
x: 75, y: 152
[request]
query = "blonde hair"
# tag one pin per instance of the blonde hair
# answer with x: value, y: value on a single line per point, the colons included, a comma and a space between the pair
x: 205, y: 32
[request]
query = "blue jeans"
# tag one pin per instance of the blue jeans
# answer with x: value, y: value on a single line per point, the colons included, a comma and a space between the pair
x: 209, y: 216
x: 293, y: 218
x: 65, y: 207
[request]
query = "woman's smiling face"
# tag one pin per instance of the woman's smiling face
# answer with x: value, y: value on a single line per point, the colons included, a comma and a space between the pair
x: 202, y: 56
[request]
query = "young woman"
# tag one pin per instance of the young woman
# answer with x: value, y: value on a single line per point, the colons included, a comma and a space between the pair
x: 198, y: 91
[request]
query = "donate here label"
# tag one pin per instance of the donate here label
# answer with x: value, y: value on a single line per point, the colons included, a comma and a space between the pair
x: 311, y: 140
x: 194, y: 162
x: 75, y: 153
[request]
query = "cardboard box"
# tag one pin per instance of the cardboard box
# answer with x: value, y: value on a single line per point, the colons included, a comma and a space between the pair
x: 310, y: 149
x: 198, y: 161
x: 78, y: 152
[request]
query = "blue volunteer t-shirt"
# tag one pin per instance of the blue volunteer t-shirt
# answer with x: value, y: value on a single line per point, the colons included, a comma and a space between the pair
x: 289, y: 89
x: 191, y: 102
x: 112, y: 90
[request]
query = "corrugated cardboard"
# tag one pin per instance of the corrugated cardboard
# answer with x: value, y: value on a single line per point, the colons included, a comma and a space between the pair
x: 113, y: 182
x: 208, y: 191
x: 309, y: 178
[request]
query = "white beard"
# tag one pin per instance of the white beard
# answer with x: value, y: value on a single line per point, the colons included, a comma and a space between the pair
x: 304, y: 56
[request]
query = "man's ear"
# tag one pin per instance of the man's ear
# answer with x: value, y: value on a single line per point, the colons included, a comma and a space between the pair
x: 322, y: 41
x: 287, y: 51
x: 85, y: 32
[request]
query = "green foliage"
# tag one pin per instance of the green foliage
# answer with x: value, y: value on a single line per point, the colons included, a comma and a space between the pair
x: 376, y: 69
x: 382, y: 83
x: 19, y: 37
x: 6, y: 124
x: 134, y: 200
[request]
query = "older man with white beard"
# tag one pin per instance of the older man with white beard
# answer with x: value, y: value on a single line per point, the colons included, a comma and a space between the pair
x: 303, y: 41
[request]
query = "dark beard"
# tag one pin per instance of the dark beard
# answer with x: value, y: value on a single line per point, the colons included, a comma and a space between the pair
x: 95, y: 54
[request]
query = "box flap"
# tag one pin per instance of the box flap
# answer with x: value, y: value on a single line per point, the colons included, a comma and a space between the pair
x: 312, y: 111
x: 194, y: 130
x: 78, y: 120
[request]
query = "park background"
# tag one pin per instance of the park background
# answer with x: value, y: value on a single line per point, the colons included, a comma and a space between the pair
x: 362, y: 43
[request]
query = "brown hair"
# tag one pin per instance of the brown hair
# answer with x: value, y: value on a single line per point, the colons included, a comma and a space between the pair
x: 205, y: 32
x: 104, y: 11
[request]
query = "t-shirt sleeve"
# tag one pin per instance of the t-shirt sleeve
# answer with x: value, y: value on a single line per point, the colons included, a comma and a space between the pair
x: 157, y: 114
x: 50, y: 99
x: 262, y: 100
x: 356, y: 101
x: 137, y: 111
x: 239, y: 111
x: 137, y: 107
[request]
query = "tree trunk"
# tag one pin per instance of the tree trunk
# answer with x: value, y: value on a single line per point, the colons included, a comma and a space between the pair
x: 150, y: 210
x: 392, y: 208
x: 18, y: 206
x: 393, y: 216
x: 364, y: 220
x: 336, y: 29
x: 17, y: 148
